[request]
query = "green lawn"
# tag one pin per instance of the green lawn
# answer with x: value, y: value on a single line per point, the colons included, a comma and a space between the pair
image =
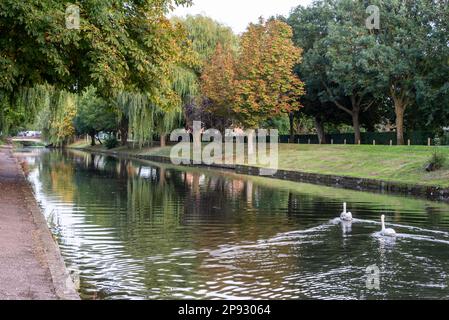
x: 390, y: 163
x: 404, y: 164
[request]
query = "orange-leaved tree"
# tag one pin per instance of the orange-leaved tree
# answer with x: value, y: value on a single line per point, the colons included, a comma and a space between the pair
x: 266, y: 86
x: 218, y: 82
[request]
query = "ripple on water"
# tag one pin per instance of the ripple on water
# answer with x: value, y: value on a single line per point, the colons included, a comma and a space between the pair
x: 189, y: 234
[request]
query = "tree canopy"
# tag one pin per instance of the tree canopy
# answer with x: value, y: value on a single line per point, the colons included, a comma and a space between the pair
x: 358, y: 69
x: 120, y: 46
x: 130, y: 64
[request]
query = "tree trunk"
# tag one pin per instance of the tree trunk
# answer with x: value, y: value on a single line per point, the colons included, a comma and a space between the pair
x: 161, y: 176
x: 92, y: 138
x: 355, y: 113
x: 124, y: 131
x: 320, y: 130
x: 399, y: 110
x: 163, y: 140
x: 292, y: 127
x: 401, y: 101
x: 356, y: 125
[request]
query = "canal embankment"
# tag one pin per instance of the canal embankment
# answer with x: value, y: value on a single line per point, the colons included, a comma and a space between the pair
x: 394, y: 170
x: 31, y: 265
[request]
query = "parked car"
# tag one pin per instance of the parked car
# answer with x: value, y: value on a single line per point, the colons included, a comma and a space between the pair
x: 30, y: 134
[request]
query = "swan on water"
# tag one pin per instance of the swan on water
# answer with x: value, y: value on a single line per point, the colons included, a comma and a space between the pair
x: 387, y: 232
x: 345, y: 216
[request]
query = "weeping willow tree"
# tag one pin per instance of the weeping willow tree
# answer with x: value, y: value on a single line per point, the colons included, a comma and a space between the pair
x: 136, y: 116
x: 43, y: 107
x: 205, y: 34
x: 185, y: 84
x: 144, y: 115
x: 61, y: 128
x: 18, y: 110
x: 143, y: 119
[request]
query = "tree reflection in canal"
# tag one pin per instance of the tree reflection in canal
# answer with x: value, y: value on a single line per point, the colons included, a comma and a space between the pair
x: 141, y: 230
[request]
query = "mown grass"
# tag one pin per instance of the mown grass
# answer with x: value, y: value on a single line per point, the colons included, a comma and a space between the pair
x: 388, y: 163
x: 402, y: 164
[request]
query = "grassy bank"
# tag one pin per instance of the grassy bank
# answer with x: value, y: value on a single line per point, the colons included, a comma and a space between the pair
x: 394, y: 164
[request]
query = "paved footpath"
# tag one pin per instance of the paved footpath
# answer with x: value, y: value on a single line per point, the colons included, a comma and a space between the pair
x: 30, y: 263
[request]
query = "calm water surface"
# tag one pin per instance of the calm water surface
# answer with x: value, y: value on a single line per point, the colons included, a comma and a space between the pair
x: 137, y: 230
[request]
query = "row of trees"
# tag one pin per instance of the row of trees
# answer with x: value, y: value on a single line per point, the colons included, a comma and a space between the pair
x: 127, y: 50
x: 131, y: 70
x: 394, y: 77
x: 399, y: 72
x: 257, y: 83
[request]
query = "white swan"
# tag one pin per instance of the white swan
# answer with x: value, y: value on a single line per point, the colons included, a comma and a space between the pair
x: 346, y: 227
x: 387, y: 232
x: 345, y: 216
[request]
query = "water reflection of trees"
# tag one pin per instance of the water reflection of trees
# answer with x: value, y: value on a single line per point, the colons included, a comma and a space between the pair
x: 148, y: 194
x: 154, y: 211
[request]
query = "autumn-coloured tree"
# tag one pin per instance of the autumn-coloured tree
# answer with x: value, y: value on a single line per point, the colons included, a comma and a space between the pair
x: 205, y: 34
x: 266, y: 86
x: 218, y: 82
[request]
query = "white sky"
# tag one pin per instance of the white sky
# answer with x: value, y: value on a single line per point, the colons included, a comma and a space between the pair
x: 239, y: 13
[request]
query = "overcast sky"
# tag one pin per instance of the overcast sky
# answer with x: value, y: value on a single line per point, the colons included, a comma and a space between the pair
x: 239, y: 13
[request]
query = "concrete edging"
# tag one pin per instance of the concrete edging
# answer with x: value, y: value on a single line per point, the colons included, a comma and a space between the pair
x: 62, y: 281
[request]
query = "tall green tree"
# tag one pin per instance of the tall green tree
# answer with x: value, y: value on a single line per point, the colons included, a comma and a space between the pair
x: 310, y: 25
x: 94, y: 115
x: 415, y: 68
x: 121, y: 45
x: 349, y: 58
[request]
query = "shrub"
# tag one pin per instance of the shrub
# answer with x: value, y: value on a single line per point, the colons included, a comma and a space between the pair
x: 436, y: 161
x: 111, y: 142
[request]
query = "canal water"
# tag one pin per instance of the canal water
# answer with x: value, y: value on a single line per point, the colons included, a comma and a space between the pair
x: 139, y: 230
